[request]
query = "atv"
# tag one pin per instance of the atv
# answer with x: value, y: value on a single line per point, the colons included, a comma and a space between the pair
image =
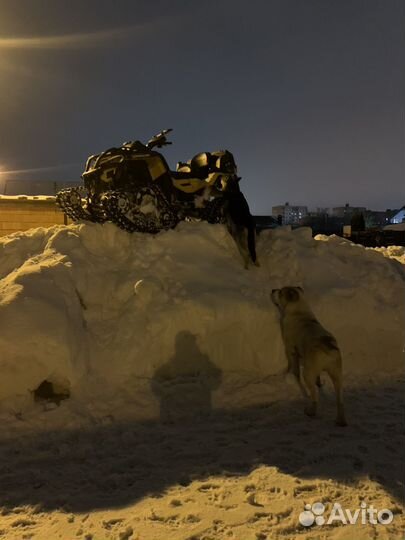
x: 133, y: 187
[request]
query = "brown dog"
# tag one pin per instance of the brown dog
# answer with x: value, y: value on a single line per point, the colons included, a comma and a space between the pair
x: 310, y: 346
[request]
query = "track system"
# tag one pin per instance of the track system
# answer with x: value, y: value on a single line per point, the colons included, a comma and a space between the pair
x: 76, y: 204
x: 146, y: 210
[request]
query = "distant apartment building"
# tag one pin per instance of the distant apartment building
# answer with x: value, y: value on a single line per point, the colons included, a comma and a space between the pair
x: 346, y: 211
x: 321, y: 211
x: 332, y: 220
x: 289, y: 214
x: 375, y: 219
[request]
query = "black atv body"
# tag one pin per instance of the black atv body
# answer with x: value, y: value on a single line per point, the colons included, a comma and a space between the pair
x: 133, y: 187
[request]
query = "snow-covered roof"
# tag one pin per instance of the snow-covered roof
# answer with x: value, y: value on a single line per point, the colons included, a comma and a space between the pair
x: 27, y: 197
x: 35, y: 187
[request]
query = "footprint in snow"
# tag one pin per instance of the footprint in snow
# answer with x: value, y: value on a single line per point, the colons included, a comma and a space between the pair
x: 208, y: 487
x: 23, y: 522
x: 111, y: 522
x: 304, y: 488
x: 251, y: 499
x: 125, y: 535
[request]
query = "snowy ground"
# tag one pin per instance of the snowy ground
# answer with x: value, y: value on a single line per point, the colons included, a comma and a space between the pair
x: 242, y: 475
x: 180, y: 424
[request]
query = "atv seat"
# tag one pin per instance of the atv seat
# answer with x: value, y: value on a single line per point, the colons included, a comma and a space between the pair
x: 182, y: 175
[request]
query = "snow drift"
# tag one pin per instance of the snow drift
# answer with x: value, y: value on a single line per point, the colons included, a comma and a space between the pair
x: 140, y: 325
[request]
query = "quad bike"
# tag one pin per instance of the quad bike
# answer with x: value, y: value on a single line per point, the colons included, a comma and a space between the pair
x: 133, y: 187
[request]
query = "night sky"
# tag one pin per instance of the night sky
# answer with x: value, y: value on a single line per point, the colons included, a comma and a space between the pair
x: 309, y: 95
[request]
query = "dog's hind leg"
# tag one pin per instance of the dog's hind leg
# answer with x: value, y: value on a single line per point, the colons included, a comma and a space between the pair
x: 294, y: 368
x: 335, y: 373
x: 310, y: 378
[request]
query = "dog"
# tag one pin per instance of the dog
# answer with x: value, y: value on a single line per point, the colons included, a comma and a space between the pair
x: 240, y: 222
x: 310, y: 346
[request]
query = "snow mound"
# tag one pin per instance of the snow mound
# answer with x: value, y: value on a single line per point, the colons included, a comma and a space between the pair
x: 140, y: 325
x: 393, y: 252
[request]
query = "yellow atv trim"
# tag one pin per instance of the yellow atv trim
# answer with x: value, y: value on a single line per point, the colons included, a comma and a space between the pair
x: 194, y: 185
x: 189, y: 185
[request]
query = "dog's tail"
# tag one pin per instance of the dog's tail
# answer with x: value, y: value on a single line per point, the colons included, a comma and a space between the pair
x: 251, y: 239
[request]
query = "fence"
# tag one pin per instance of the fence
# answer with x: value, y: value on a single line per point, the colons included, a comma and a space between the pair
x: 22, y: 212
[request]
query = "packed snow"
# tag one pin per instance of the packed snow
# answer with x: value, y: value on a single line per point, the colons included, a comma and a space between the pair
x: 393, y: 252
x: 171, y: 416
x: 104, y: 313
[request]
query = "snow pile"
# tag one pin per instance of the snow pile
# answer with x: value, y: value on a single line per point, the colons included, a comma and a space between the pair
x: 393, y: 252
x: 141, y: 325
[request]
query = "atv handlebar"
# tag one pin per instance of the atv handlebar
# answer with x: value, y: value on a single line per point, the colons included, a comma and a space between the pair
x: 159, y: 140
